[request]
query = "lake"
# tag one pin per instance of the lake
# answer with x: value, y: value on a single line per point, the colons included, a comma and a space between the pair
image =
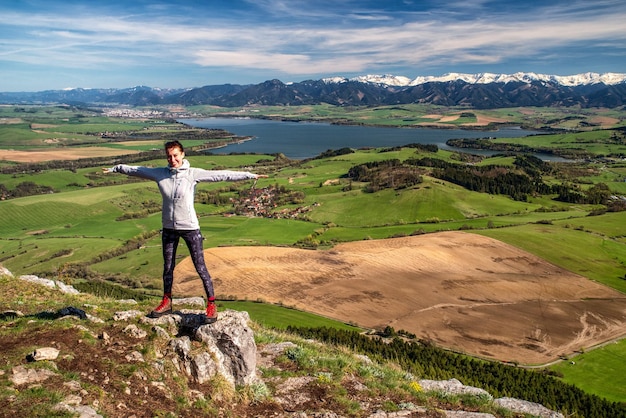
x: 300, y: 140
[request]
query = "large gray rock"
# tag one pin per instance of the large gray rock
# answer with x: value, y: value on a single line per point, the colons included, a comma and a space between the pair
x: 526, y: 407
x: 22, y: 375
x: 52, y: 284
x: 43, y: 353
x: 233, y: 339
x: 452, y: 386
x: 5, y: 272
x: 228, y: 347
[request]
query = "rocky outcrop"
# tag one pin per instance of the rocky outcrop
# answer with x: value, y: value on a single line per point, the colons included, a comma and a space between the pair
x: 228, y: 345
x: 53, y: 284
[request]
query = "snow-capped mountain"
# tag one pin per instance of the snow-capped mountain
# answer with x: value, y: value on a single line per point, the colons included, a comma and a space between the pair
x: 481, y: 91
x: 487, y: 78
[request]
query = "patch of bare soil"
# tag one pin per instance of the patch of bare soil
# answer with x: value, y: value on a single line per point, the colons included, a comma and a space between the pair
x: 61, y: 154
x: 449, y: 118
x: 462, y: 291
x: 604, y: 121
x: 10, y: 121
x: 443, y: 121
x: 482, y: 120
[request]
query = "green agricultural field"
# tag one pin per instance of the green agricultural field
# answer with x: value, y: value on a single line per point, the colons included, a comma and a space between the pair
x: 600, y: 371
x: 408, y: 115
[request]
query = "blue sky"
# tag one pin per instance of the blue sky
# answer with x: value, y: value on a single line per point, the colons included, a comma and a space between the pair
x: 55, y: 44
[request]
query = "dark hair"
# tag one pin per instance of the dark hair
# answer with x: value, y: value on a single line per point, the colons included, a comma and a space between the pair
x: 174, y: 144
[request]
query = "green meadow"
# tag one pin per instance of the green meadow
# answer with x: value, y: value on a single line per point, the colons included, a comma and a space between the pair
x: 597, y: 371
x: 85, y: 219
x: 279, y: 317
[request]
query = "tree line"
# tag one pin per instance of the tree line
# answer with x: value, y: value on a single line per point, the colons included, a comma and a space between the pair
x: 386, y: 174
x: 25, y: 188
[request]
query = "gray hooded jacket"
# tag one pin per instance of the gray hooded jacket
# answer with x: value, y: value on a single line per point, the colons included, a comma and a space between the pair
x: 177, y: 187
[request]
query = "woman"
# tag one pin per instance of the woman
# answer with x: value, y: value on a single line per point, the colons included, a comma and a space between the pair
x: 177, y: 184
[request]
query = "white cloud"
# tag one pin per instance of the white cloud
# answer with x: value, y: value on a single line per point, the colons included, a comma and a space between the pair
x: 294, y: 40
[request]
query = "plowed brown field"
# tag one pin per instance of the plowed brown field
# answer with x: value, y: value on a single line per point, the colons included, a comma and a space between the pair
x: 38, y: 156
x: 462, y: 291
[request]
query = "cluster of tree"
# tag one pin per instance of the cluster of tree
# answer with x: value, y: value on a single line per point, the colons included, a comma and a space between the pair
x: 487, y: 144
x: 523, y: 180
x: 598, y: 194
x: 493, y: 180
x: 533, y: 166
x: 212, y: 197
x: 430, y: 362
x: 148, y: 207
x: 25, y: 188
x: 519, y: 182
x: 334, y: 153
x: 386, y: 174
x: 421, y: 147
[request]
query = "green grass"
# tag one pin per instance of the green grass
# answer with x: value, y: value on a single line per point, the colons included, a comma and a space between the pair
x: 431, y: 202
x: 280, y: 317
x: 81, y: 212
x: 600, y: 371
x: 241, y: 230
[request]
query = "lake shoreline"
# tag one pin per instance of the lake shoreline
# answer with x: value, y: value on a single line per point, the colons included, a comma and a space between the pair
x: 302, y: 139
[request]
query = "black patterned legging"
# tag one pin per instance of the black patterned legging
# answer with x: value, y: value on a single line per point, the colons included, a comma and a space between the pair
x: 193, y: 239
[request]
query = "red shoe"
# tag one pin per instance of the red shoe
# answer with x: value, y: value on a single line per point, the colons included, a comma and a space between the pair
x: 163, y: 309
x: 211, y: 313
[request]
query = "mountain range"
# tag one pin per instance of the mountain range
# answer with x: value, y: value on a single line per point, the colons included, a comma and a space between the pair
x: 481, y: 91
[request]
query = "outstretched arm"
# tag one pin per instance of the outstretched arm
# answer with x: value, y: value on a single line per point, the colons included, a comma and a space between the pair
x: 225, y: 175
x: 133, y: 170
